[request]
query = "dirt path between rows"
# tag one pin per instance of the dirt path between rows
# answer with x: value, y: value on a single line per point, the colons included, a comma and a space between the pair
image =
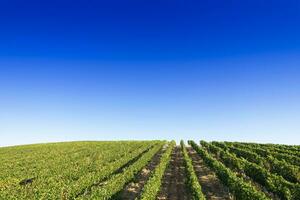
x: 134, y: 188
x: 173, y: 183
x: 212, y: 188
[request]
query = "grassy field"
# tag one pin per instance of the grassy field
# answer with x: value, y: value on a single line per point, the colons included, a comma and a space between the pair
x: 150, y: 170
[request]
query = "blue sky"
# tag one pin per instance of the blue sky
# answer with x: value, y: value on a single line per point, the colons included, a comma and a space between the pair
x: 106, y: 70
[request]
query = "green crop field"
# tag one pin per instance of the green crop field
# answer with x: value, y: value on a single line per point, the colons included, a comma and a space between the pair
x: 150, y: 170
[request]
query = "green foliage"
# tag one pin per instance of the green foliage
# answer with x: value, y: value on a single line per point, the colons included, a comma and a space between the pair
x: 239, y: 188
x: 117, y: 182
x: 62, y: 170
x: 193, y: 183
x: 272, y: 182
x: 281, y: 152
x: 280, y: 167
x: 99, y: 170
x: 152, y: 186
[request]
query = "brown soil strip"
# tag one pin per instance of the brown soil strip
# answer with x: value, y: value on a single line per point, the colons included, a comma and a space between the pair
x: 173, y: 184
x: 134, y: 188
x: 212, y: 187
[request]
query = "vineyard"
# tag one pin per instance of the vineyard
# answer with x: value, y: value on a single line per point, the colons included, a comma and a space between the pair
x: 149, y: 170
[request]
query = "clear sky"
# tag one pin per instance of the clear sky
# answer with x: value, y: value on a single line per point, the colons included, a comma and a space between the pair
x: 110, y: 70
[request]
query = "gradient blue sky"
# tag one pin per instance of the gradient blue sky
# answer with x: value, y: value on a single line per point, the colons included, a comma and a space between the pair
x: 106, y: 70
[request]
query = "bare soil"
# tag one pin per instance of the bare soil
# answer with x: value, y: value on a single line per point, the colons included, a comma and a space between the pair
x: 174, y: 180
x: 212, y: 187
x: 134, y: 188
